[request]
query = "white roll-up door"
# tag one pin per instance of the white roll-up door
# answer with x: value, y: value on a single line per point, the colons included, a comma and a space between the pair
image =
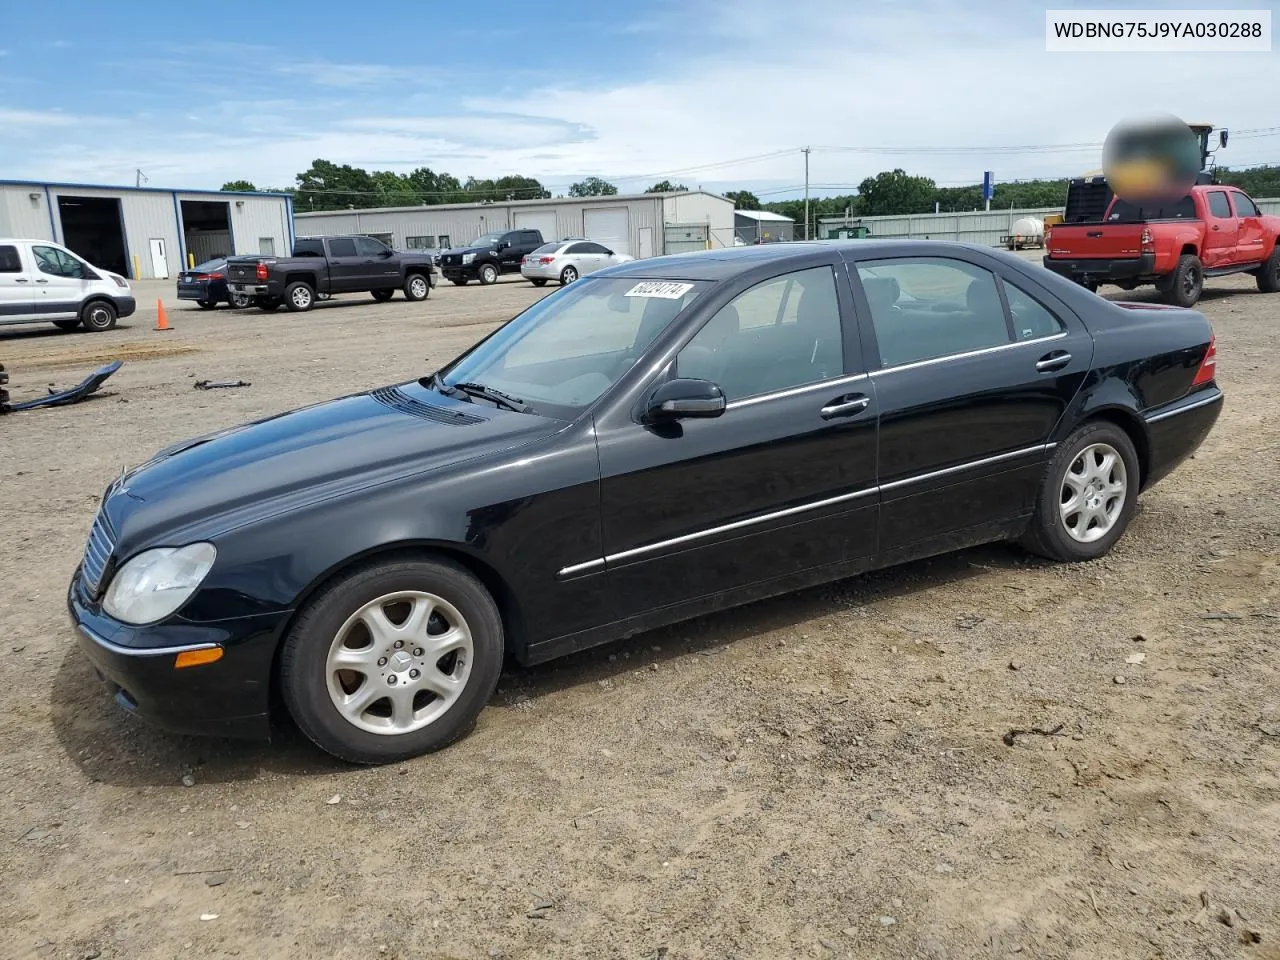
x: 544, y: 221
x: 610, y: 226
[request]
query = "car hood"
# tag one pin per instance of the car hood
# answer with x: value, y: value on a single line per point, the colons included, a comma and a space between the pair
x: 485, y: 249
x: 223, y: 480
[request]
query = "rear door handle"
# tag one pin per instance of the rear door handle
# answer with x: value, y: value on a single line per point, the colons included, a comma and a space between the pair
x: 1053, y: 361
x: 42, y: 281
x: 845, y: 406
x: 1093, y: 233
x: 21, y: 280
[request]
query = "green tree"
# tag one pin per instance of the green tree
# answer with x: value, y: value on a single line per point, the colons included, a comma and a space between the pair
x: 896, y: 192
x: 1258, y: 182
x: 240, y: 186
x: 743, y: 199
x: 592, y: 187
x: 327, y: 186
x: 666, y: 186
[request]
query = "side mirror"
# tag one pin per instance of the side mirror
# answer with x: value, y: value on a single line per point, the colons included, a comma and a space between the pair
x: 1222, y: 138
x: 503, y: 245
x: 609, y: 253
x: 685, y: 399
x: 386, y: 254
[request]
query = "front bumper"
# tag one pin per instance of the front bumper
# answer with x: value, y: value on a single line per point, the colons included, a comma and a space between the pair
x: 227, y: 698
x: 126, y: 306
x: 1104, y: 271
x: 470, y: 272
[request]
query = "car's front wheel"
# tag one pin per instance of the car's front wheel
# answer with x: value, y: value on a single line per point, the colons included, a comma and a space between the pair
x: 416, y: 287
x: 98, y: 316
x: 394, y: 660
x: 488, y: 274
x: 1087, y: 496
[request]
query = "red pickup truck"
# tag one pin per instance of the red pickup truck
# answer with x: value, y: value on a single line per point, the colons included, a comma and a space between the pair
x: 1213, y: 231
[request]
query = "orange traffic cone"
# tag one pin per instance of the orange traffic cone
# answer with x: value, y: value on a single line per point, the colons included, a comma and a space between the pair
x: 162, y: 321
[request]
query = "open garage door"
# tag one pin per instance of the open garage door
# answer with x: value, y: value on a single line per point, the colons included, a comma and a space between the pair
x: 544, y: 221
x: 609, y: 226
x: 93, y: 228
x: 206, y: 228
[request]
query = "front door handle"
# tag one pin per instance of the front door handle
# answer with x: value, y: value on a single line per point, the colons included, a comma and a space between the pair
x: 21, y: 280
x: 42, y: 281
x: 1053, y: 361
x: 845, y: 406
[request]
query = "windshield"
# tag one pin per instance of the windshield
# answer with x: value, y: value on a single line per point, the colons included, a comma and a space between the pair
x: 569, y: 348
x: 486, y: 240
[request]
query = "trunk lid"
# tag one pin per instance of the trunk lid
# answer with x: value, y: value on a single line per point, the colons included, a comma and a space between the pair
x: 1096, y: 241
x: 244, y: 269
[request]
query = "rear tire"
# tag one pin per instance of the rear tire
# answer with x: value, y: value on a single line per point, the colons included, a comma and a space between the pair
x: 416, y: 287
x: 382, y: 296
x: 238, y: 301
x: 390, y: 594
x: 1095, y: 471
x: 488, y: 274
x: 1268, y: 276
x: 98, y: 316
x: 1186, y: 283
x: 206, y: 304
x: 568, y: 275
x: 299, y: 297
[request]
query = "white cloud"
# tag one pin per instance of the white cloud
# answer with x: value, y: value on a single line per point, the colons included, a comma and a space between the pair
x: 19, y: 121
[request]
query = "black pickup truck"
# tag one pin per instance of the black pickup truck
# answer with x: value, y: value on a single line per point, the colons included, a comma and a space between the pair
x: 323, y: 266
x: 489, y: 256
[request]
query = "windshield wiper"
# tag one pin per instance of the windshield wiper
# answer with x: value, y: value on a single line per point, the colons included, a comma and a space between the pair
x: 494, y: 396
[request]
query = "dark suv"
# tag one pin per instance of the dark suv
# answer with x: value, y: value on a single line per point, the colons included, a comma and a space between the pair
x: 484, y: 258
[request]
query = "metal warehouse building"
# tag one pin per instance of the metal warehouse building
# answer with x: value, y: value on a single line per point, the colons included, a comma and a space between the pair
x: 142, y: 232
x: 641, y: 225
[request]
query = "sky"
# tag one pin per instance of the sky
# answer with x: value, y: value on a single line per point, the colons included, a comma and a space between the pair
x: 721, y: 94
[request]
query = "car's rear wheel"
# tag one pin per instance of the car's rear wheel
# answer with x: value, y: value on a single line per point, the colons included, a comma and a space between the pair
x: 97, y: 316
x: 568, y: 275
x: 539, y: 283
x: 66, y: 324
x: 299, y: 296
x: 416, y: 287
x: 488, y: 274
x: 394, y: 660
x: 1268, y: 276
x: 1186, y: 283
x: 382, y: 296
x: 1088, y: 495
x: 206, y: 304
x: 238, y: 301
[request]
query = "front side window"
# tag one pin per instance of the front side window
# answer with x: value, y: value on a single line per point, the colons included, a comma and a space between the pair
x: 1246, y: 207
x: 10, y: 262
x: 1218, y: 205
x: 368, y: 247
x: 781, y: 333
x: 342, y: 247
x: 923, y: 308
x: 58, y: 263
x: 566, y: 350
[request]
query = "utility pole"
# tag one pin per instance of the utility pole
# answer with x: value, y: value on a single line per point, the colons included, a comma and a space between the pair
x: 140, y: 179
x: 805, y: 151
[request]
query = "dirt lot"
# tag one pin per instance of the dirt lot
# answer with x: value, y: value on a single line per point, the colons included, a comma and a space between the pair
x: 825, y: 775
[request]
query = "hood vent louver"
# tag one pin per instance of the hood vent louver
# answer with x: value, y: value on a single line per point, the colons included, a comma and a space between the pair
x: 397, y: 399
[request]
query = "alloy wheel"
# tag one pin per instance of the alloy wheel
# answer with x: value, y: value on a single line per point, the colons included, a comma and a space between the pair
x: 1093, y: 493
x: 399, y: 662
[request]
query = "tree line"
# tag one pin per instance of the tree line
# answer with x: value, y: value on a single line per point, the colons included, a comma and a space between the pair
x: 328, y: 186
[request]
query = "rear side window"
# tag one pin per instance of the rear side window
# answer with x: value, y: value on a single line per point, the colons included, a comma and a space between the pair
x: 342, y: 247
x: 308, y: 248
x: 1246, y: 207
x: 10, y: 262
x: 1125, y: 212
x: 924, y: 308
x: 1218, y: 205
x: 1031, y: 318
x: 549, y: 248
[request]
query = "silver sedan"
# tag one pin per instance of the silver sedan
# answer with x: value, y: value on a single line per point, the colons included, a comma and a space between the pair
x: 567, y: 260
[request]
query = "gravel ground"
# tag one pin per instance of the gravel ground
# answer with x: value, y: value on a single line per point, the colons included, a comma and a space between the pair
x: 830, y: 774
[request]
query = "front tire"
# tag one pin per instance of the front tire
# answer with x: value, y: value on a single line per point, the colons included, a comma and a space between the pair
x: 98, y: 316
x: 1087, y: 497
x: 1186, y: 283
x: 395, y: 660
x: 299, y: 297
x: 488, y: 274
x: 416, y: 287
x: 1268, y: 276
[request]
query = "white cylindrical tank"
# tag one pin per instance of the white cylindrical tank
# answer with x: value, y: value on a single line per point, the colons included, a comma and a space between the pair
x: 1027, y: 228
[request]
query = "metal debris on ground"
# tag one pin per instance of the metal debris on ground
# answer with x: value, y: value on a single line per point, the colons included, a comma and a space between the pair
x: 220, y: 384
x: 1012, y: 735
x: 58, y: 398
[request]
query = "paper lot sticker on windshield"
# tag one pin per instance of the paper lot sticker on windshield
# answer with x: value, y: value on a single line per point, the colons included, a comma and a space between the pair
x: 662, y: 289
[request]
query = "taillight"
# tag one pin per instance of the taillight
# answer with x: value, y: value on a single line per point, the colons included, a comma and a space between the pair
x: 1209, y: 365
x: 262, y: 271
x: 1148, y: 242
x: 209, y: 276
x: 546, y: 259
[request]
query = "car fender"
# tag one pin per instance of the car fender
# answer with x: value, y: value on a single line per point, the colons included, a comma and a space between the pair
x: 1108, y: 398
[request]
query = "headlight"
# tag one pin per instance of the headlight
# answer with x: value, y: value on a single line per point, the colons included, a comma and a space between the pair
x: 156, y: 583
x: 467, y: 258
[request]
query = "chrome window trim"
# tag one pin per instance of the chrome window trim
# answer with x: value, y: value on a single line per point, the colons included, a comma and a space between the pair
x: 1165, y: 415
x: 795, y: 391
x: 142, y: 651
x: 802, y: 508
x: 969, y: 353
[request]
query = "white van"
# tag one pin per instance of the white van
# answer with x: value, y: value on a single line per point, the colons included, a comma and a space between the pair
x: 41, y: 280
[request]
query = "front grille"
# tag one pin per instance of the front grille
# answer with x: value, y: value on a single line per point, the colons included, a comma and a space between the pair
x: 397, y: 399
x: 451, y: 261
x: 96, y: 554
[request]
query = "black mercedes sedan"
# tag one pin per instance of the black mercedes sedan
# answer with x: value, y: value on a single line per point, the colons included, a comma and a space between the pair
x: 664, y: 438
x: 206, y: 284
